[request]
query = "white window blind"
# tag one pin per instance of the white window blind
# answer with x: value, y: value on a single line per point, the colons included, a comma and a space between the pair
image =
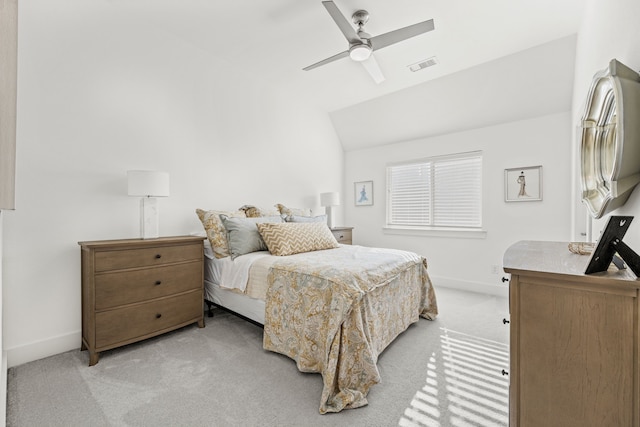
x: 441, y: 191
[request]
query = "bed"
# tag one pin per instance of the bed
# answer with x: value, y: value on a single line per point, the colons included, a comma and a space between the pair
x: 332, y: 310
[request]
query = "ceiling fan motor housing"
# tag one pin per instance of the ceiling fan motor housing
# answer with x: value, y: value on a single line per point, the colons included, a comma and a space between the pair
x: 360, y: 51
x: 360, y: 17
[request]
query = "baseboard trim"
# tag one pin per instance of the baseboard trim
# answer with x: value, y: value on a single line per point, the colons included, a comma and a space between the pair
x: 40, y: 349
x: 483, y: 288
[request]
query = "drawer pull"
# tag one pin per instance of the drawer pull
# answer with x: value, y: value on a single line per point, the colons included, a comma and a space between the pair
x: 158, y: 256
x: 158, y: 316
x: 505, y: 321
x: 158, y: 282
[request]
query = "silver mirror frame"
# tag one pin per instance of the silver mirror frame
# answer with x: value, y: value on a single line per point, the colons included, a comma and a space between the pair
x: 610, y: 147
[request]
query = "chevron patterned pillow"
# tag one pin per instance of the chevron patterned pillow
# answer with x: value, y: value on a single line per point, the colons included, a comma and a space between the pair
x: 290, y: 238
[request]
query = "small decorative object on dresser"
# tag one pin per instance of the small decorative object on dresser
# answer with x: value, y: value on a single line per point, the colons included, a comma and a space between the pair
x: 342, y: 234
x: 135, y: 289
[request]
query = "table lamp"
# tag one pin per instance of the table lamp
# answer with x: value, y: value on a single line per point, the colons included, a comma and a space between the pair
x: 328, y: 200
x: 148, y: 185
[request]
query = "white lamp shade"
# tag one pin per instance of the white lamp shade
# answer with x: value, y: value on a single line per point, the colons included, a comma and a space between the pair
x: 330, y: 199
x: 148, y: 183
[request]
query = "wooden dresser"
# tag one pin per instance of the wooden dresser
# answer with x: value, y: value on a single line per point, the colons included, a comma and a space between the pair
x: 135, y: 289
x: 575, y: 346
x: 343, y: 234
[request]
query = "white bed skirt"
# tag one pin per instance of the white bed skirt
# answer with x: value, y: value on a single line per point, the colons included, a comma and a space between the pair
x: 242, y: 304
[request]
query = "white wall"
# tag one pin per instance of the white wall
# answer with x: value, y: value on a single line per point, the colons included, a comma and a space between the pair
x: 609, y: 30
x: 468, y: 262
x: 100, y: 93
x: 517, y: 111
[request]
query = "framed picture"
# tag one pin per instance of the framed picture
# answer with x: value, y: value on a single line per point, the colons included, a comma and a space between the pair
x: 523, y: 184
x: 363, y: 193
x: 610, y: 245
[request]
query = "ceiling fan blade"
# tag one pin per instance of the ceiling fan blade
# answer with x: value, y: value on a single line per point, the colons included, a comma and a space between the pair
x: 386, y: 39
x: 344, y: 25
x: 326, y: 61
x: 372, y: 67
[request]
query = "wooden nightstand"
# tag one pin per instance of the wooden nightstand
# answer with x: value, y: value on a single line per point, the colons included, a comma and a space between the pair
x: 343, y: 234
x: 135, y: 289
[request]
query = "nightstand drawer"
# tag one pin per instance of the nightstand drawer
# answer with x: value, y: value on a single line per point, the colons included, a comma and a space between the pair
x: 130, y: 286
x: 343, y: 236
x: 128, y: 324
x: 145, y: 257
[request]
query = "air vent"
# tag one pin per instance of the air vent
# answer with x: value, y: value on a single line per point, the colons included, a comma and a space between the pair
x: 423, y: 64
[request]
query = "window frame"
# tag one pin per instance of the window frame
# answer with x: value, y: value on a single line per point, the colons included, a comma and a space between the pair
x: 431, y: 229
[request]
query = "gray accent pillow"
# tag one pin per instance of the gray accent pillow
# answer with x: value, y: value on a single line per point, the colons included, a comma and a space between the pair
x: 243, y: 235
x: 298, y: 218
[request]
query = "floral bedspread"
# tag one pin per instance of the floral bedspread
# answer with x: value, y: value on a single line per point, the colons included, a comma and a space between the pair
x: 335, y: 311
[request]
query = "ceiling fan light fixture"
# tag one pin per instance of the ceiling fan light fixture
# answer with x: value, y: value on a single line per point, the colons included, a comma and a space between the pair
x: 360, y: 52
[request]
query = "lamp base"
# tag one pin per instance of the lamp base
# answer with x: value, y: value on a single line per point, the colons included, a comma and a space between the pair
x: 149, y: 223
x: 329, y: 211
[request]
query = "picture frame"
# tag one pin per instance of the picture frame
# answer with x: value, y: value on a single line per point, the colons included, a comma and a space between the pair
x: 523, y: 184
x: 611, y: 248
x: 363, y: 193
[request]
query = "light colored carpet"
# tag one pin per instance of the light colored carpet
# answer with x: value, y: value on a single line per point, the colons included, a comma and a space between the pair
x: 445, y: 372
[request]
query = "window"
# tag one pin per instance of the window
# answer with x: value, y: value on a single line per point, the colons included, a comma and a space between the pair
x: 438, y: 192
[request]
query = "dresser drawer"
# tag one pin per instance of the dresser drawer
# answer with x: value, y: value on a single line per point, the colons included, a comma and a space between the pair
x: 130, y: 286
x: 128, y: 324
x: 145, y: 257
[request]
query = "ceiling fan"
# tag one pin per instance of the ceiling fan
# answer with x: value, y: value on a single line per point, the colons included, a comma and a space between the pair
x: 362, y: 45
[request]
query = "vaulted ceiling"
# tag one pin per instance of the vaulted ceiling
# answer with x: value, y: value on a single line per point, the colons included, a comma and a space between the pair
x: 274, y: 40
